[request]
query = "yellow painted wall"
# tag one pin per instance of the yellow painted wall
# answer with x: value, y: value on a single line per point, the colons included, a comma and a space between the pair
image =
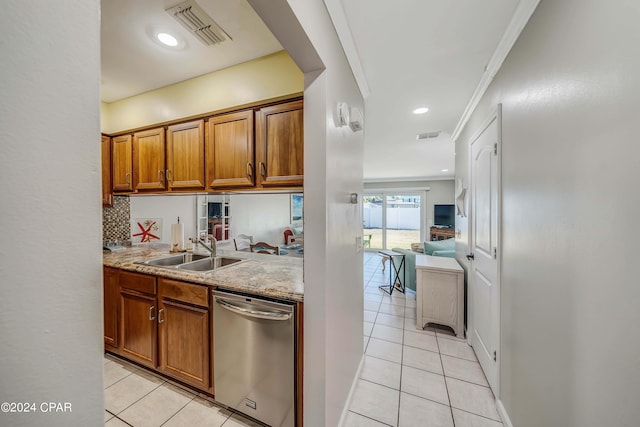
x: 268, y: 77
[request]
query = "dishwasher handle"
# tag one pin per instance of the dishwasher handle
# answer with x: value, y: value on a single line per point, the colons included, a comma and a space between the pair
x: 268, y: 315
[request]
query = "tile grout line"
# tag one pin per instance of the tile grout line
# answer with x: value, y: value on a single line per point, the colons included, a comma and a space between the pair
x: 176, y: 413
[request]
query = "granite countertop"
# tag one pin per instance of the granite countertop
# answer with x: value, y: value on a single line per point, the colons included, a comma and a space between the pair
x: 265, y: 275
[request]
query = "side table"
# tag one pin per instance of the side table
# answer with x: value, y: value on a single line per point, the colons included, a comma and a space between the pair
x: 394, y: 271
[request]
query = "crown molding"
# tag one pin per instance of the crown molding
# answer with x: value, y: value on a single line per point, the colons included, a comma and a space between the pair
x: 520, y: 18
x: 339, y: 19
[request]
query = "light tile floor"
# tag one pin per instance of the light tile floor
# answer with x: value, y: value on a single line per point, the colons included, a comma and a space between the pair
x: 413, y: 377
x: 410, y: 377
x: 135, y: 397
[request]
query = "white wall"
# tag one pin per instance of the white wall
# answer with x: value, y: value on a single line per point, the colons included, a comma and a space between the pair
x: 262, y: 216
x: 168, y: 208
x: 333, y: 169
x: 571, y: 95
x: 50, y: 215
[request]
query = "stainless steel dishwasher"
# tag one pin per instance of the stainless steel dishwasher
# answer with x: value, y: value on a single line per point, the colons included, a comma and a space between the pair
x: 254, y: 357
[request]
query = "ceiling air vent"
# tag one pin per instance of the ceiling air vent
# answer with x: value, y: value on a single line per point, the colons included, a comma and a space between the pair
x: 201, y: 25
x: 428, y: 135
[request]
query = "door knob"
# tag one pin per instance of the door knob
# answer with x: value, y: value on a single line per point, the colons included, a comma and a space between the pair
x: 471, y: 256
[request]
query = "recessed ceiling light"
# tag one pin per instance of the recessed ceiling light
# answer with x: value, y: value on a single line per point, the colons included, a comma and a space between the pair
x: 445, y: 170
x: 420, y: 110
x: 167, y: 39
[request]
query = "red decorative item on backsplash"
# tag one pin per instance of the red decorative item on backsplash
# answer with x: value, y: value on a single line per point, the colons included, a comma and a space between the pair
x: 147, y: 229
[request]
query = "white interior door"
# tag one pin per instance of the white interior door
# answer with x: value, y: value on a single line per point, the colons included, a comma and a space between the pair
x: 484, y: 280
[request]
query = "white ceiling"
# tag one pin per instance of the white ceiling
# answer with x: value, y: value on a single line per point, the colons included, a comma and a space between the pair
x: 411, y: 53
x: 133, y: 63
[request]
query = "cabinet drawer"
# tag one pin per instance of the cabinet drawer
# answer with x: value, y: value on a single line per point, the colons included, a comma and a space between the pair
x: 138, y: 282
x: 185, y: 292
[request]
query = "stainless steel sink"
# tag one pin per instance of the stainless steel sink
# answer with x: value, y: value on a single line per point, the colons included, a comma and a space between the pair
x: 208, y: 264
x: 174, y: 260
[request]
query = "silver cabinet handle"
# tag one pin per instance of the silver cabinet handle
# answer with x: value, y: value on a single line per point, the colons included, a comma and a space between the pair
x: 249, y: 170
x: 160, y: 319
x: 127, y: 177
x: 268, y: 315
x: 151, y: 315
x: 263, y: 170
x: 168, y: 174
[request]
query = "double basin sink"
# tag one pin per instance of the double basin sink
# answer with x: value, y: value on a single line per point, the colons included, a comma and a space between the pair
x: 191, y: 262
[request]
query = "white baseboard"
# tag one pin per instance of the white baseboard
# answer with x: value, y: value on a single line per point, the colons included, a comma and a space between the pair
x: 503, y: 414
x: 347, y: 404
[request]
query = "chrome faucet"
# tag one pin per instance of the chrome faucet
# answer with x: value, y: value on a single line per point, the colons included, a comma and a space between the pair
x: 213, y: 249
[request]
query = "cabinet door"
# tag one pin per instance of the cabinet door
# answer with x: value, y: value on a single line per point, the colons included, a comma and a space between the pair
x: 184, y: 342
x: 280, y: 144
x: 111, y: 301
x: 107, y: 196
x: 230, y: 150
x: 148, y: 160
x: 185, y: 156
x: 122, y: 163
x: 139, y: 327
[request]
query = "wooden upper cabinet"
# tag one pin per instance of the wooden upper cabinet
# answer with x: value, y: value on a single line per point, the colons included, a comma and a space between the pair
x: 230, y: 150
x: 185, y: 156
x: 149, y: 160
x: 107, y: 192
x: 122, y: 163
x: 280, y: 144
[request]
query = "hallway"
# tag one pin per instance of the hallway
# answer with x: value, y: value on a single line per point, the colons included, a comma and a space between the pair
x: 412, y: 377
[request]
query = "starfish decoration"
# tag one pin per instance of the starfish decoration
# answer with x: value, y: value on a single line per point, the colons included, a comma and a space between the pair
x: 145, y: 233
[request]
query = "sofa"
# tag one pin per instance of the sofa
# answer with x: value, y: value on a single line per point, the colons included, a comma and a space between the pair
x: 443, y: 248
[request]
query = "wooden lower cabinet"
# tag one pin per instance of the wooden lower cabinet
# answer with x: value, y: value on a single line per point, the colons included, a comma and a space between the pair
x: 184, y: 324
x: 111, y: 301
x: 139, y: 326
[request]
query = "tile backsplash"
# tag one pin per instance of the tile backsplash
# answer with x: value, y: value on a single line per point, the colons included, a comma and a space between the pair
x: 116, y: 223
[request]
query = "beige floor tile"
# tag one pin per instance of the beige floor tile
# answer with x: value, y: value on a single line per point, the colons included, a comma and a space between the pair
x: 390, y: 320
x: 381, y: 372
x: 424, y: 384
x: 373, y: 297
x: 472, y: 398
x: 371, y: 305
x: 370, y: 316
x: 114, y: 372
x: 456, y: 348
x: 199, y: 413
x: 107, y: 416
x: 385, y: 350
x: 366, y: 341
x: 388, y: 308
x: 157, y: 407
x: 422, y: 359
x: 462, y: 369
x: 115, y: 422
x: 420, y: 340
x: 129, y: 390
x: 396, y: 299
x: 410, y: 325
x: 387, y: 333
x: 411, y: 303
x: 418, y: 412
x: 465, y: 419
x: 367, y: 327
x: 410, y: 313
x: 237, y: 420
x: 356, y: 420
x: 375, y: 401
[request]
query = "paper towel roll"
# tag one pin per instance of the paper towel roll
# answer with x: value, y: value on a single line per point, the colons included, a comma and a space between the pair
x: 177, y: 237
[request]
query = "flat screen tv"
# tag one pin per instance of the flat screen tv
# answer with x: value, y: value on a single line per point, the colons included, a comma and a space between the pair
x: 444, y: 216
